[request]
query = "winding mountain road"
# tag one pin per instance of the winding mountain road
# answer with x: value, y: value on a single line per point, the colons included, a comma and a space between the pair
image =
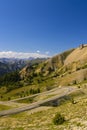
x: 60, y: 92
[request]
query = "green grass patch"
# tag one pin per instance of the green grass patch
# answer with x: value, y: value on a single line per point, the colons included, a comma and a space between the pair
x: 28, y: 100
x: 4, y: 107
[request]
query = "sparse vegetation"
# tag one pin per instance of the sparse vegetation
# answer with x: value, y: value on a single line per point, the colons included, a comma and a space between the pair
x: 60, y: 70
x: 42, y: 118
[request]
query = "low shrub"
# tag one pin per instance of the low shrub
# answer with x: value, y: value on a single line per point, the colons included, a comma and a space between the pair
x: 58, y: 119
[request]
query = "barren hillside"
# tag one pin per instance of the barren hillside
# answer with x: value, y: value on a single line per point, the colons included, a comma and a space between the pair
x: 79, y: 54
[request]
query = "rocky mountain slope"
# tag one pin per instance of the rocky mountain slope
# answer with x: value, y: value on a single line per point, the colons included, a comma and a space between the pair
x: 61, y: 66
x: 67, y: 68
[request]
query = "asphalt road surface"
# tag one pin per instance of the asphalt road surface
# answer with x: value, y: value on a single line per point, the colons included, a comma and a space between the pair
x: 61, y: 93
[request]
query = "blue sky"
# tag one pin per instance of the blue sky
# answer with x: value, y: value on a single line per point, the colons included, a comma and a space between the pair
x: 42, y: 26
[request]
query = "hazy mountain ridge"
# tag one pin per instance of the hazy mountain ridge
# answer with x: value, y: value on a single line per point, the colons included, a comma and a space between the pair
x: 61, y: 69
x: 10, y: 65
